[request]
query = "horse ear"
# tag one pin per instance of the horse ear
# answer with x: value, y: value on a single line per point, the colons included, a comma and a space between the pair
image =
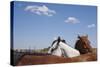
x: 78, y: 37
x: 59, y: 38
x: 87, y: 36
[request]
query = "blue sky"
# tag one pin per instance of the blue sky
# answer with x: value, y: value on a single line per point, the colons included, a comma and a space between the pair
x: 36, y: 25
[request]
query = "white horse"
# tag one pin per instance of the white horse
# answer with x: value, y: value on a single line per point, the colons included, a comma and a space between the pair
x: 60, y: 48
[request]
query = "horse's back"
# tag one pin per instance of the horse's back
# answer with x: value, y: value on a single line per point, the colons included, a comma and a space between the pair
x: 71, y: 52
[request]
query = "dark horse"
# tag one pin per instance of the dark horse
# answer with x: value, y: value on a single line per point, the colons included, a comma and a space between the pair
x: 83, y: 44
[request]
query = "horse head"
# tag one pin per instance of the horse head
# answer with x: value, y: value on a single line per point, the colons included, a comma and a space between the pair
x: 83, y: 44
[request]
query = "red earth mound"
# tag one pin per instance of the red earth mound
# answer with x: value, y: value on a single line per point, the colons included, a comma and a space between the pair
x: 50, y: 59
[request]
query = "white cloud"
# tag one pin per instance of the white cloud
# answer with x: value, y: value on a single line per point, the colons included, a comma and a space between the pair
x: 72, y: 20
x: 91, y: 26
x: 40, y: 10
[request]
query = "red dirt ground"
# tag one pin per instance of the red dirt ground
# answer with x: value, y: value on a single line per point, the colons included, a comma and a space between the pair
x: 50, y: 59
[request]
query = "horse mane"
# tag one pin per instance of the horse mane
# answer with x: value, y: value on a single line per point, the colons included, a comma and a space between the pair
x: 78, y: 44
x: 63, y: 41
x: 53, y: 42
